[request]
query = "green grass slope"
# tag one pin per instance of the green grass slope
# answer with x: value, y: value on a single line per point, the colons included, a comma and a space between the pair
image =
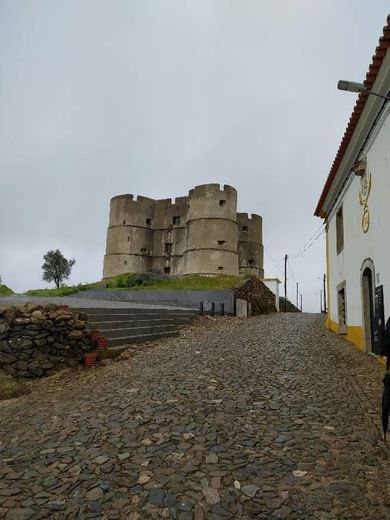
x: 150, y: 281
x: 5, y: 291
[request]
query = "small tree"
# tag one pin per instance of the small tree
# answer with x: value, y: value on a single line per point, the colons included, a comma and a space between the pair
x: 56, y: 267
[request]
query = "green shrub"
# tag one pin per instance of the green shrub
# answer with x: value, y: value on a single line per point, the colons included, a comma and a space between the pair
x: 5, y: 291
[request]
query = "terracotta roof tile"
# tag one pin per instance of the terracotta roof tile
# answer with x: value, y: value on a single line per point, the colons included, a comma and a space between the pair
x: 377, y: 59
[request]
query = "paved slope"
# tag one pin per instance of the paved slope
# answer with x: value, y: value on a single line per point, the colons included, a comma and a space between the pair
x: 264, y: 418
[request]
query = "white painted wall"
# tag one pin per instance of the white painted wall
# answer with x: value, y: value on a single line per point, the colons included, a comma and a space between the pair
x: 358, y: 246
x: 273, y: 285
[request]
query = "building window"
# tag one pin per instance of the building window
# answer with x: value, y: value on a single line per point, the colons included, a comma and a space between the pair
x: 339, y: 230
x: 167, y: 270
x: 143, y: 250
x: 222, y: 202
x: 125, y: 262
x: 245, y: 229
x: 124, y: 222
x: 148, y: 222
x: 128, y: 239
x: 176, y: 221
x: 220, y: 268
x: 221, y: 242
x: 251, y: 262
x: 342, y: 308
x: 168, y: 248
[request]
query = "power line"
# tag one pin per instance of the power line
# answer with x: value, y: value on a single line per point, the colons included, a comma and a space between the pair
x: 273, y: 261
x: 292, y: 274
x: 309, y: 242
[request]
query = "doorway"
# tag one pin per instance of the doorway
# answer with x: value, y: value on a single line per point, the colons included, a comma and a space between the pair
x: 368, y: 306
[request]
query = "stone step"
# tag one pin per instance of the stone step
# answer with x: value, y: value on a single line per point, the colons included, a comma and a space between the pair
x: 102, y: 317
x: 127, y: 340
x: 134, y: 310
x: 120, y: 324
x: 137, y: 331
x: 129, y: 325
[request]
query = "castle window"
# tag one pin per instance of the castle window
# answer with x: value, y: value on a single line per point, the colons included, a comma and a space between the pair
x: 176, y: 221
x: 221, y: 242
x: 168, y: 248
x: 245, y: 229
x: 167, y: 270
x: 222, y: 202
x: 148, y: 222
x: 339, y: 230
x: 251, y: 262
x: 125, y: 262
x: 128, y: 239
x: 124, y: 222
x: 220, y: 268
x: 143, y: 250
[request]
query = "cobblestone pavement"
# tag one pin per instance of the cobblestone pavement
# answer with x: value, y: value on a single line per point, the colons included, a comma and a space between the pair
x: 265, y: 418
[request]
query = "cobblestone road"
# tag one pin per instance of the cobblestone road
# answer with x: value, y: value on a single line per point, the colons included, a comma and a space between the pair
x: 264, y: 418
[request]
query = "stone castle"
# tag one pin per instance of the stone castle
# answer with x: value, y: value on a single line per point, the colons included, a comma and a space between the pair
x: 198, y: 234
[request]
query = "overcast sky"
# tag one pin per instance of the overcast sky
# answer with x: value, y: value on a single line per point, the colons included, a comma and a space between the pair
x: 153, y: 97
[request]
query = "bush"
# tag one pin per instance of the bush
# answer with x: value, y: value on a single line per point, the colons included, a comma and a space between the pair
x: 5, y: 291
x: 139, y: 279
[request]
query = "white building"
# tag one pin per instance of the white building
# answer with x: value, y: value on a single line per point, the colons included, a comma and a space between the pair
x: 355, y: 204
x: 273, y: 285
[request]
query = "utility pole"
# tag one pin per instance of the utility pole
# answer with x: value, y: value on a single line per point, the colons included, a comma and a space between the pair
x: 301, y: 302
x: 325, y: 293
x: 285, y: 281
x: 297, y: 296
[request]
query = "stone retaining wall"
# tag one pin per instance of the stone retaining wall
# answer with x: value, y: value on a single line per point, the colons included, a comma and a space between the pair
x: 255, y: 292
x: 36, y: 341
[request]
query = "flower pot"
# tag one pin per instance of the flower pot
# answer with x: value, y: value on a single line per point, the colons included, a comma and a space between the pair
x: 95, y: 333
x: 90, y: 359
x: 102, y: 343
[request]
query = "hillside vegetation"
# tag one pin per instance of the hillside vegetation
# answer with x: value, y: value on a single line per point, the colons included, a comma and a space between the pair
x: 150, y: 281
x: 5, y: 291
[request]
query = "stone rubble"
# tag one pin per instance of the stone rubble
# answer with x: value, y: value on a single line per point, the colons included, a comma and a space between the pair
x: 36, y: 341
x: 273, y: 419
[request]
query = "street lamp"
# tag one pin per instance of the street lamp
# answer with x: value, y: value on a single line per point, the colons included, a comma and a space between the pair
x: 352, y: 86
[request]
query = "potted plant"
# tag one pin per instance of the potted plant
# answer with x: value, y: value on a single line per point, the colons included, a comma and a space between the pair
x: 95, y: 333
x: 102, y: 342
x: 90, y: 359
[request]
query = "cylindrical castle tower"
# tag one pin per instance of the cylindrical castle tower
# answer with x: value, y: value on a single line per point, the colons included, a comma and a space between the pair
x: 211, y: 246
x: 250, y: 244
x: 129, y: 236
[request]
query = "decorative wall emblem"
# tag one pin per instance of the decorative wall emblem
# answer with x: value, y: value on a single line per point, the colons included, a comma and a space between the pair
x: 361, y: 169
x: 366, y: 220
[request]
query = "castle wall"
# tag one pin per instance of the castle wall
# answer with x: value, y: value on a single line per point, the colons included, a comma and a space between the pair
x: 211, y: 231
x: 129, y: 243
x: 201, y: 233
x: 250, y: 244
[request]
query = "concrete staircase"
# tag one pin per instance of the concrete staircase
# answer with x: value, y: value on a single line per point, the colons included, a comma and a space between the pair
x: 130, y: 325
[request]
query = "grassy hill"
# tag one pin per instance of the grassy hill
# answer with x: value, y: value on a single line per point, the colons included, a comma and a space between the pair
x: 5, y: 291
x: 150, y: 281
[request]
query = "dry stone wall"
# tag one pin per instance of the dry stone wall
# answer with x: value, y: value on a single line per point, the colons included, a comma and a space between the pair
x: 36, y: 341
x: 260, y: 298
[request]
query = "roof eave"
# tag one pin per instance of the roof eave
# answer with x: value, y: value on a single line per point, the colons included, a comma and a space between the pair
x: 360, y: 105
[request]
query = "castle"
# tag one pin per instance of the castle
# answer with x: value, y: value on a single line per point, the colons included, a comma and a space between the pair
x: 198, y: 234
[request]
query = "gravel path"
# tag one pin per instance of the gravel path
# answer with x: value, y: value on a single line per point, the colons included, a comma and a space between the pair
x: 270, y: 417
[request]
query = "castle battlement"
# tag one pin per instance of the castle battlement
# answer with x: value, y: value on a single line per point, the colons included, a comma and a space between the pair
x: 199, y: 233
